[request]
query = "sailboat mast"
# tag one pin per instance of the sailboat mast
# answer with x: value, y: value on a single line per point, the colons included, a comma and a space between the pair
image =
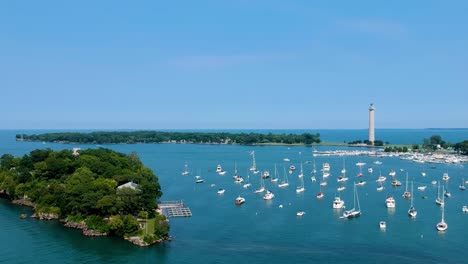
x: 411, y: 195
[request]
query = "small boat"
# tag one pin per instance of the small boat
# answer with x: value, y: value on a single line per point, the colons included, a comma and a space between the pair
x: 219, y: 169
x: 23, y: 216
x: 390, y: 202
x: 442, y: 226
x: 338, y: 203
x: 221, y: 173
x: 378, y: 162
x: 380, y: 188
x: 439, y: 200
x: 342, y: 179
x: 422, y: 188
x: 353, y: 212
x: 313, y: 179
x: 381, y: 179
x: 221, y: 191
x: 341, y: 188
x: 423, y: 174
x: 324, y: 183
x: 300, y: 188
x: 392, y: 173
x: 286, y: 159
x: 360, y: 164
x: 268, y: 196
x: 199, y: 181
x: 239, y: 180
x: 433, y: 182
x: 260, y: 190
x: 445, y: 177
x: 412, y: 211
x: 361, y: 183
x: 247, y: 185
x: 325, y: 174
x: 396, y: 182
x: 447, y: 194
x: 382, y: 225
x: 300, y: 213
x: 266, y: 175
x: 465, y: 209
x: 370, y: 170
x: 326, y: 167
x: 320, y: 195
x: 185, y: 171
x: 239, y: 200
x: 292, y: 168
x: 462, y: 185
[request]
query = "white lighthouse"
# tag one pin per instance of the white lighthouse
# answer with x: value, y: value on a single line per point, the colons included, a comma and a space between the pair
x: 371, y: 124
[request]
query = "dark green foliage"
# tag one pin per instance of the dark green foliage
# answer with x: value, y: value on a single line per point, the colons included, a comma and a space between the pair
x: 95, y: 222
x: 178, y: 137
x: 161, y: 228
x: 396, y: 149
x: 462, y: 147
x: 378, y: 143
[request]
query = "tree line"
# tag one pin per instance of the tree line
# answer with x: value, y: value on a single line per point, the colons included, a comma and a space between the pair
x: 132, y: 137
x: 83, y: 187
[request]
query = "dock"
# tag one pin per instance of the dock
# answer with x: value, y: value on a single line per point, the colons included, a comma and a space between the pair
x: 174, y: 209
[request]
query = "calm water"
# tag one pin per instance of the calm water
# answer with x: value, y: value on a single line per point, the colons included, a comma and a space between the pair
x: 260, y: 231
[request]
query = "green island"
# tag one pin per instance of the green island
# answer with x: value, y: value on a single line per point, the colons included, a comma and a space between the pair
x: 100, y: 191
x: 119, y: 137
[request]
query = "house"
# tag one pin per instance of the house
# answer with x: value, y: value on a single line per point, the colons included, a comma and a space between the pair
x: 129, y: 184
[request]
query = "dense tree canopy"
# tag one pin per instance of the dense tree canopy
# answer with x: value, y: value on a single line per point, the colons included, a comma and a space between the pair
x: 176, y: 137
x: 81, y: 185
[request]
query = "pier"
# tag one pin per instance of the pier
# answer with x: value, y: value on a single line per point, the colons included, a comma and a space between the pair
x: 174, y: 209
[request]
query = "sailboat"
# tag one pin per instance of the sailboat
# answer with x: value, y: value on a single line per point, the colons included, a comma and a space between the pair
x: 412, y: 211
x: 406, y: 194
x: 253, y: 168
x: 301, y: 174
x: 275, y: 178
x: 301, y: 188
x: 248, y: 184
x: 262, y: 186
x: 343, y: 171
x: 442, y: 226
x: 353, y: 212
x: 439, y: 200
x: 235, y: 176
x: 284, y: 182
x: 185, y: 171
x: 462, y: 185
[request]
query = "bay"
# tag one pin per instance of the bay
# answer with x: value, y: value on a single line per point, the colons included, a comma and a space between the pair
x: 260, y: 231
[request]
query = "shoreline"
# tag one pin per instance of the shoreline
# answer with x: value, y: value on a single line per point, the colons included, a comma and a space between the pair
x: 85, y: 231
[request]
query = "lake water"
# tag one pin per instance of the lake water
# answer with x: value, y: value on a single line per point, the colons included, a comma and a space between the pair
x: 260, y: 231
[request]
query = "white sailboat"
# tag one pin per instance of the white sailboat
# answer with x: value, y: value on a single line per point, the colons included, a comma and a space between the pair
x: 253, y: 168
x: 275, y: 178
x: 248, y: 184
x: 462, y: 185
x: 268, y: 195
x: 439, y: 200
x: 262, y: 186
x: 353, y: 212
x: 185, y: 171
x: 300, y: 188
x: 442, y: 226
x: 343, y: 171
x: 390, y: 202
x: 407, y: 194
x: 301, y: 173
x: 412, y: 211
x: 284, y: 182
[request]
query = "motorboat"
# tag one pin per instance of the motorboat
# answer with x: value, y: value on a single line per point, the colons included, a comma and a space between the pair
x: 465, y: 209
x: 240, y: 200
x: 320, y: 195
x: 361, y: 183
x: 382, y: 225
x: 221, y: 191
x: 422, y: 188
x: 390, y: 202
x: 341, y: 188
x: 445, y: 177
x: 266, y: 174
x: 268, y: 195
x: 380, y: 188
x: 300, y: 213
x: 338, y: 203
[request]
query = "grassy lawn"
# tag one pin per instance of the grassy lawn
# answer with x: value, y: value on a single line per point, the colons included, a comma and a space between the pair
x: 150, y: 228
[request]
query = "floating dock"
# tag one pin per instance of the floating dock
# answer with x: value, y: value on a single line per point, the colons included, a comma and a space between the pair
x: 174, y: 209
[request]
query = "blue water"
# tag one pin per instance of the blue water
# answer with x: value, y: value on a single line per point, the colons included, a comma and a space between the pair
x: 260, y: 231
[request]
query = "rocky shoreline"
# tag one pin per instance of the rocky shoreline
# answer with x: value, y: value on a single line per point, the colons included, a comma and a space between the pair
x: 136, y: 240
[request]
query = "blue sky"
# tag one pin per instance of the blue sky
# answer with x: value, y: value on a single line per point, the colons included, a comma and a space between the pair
x: 233, y: 64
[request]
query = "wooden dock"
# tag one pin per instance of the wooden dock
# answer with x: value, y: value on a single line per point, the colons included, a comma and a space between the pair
x: 174, y: 209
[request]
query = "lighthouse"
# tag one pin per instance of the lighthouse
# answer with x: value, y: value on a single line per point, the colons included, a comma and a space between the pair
x: 371, y: 124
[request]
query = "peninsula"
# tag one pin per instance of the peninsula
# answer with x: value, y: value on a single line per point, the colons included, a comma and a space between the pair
x: 132, y: 137
x: 100, y: 191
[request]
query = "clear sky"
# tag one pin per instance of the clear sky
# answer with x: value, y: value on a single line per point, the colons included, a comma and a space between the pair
x: 233, y: 64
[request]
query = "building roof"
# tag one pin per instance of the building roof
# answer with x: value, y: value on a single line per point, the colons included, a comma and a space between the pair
x: 130, y: 184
